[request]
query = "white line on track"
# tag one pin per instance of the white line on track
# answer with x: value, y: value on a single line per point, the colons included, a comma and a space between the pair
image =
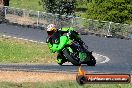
x: 107, y: 59
x: 23, y: 39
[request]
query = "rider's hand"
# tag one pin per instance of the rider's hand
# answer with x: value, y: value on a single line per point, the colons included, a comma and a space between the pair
x: 53, y: 51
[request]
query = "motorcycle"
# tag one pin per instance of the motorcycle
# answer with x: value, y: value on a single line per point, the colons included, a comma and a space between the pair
x: 76, y: 51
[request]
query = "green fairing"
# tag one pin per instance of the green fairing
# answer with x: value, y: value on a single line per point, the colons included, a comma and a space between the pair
x: 71, y: 29
x: 82, y: 56
x: 67, y: 29
x: 70, y: 49
x: 64, y: 40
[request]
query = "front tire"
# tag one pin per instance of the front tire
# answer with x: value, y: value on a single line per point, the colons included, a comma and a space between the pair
x: 74, y: 60
x: 61, y: 58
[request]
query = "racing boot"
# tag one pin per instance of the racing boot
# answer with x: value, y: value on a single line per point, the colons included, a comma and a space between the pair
x: 59, y: 61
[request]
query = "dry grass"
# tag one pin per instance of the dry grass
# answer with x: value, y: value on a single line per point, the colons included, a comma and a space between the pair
x: 20, y: 77
x: 20, y: 20
x: 25, y: 20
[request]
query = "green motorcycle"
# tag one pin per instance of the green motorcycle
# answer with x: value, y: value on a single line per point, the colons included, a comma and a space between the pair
x: 70, y: 48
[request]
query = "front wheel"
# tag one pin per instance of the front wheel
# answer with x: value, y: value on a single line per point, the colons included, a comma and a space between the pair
x: 61, y: 59
x: 73, y: 59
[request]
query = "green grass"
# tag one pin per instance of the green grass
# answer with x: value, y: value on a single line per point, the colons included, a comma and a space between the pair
x: 27, y: 4
x: 18, y: 51
x: 63, y: 84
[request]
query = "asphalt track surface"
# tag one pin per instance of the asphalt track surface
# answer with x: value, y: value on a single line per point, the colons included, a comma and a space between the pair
x: 118, y: 50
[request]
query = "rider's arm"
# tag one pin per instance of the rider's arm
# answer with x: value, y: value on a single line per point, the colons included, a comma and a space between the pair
x: 49, y: 45
x: 63, y: 41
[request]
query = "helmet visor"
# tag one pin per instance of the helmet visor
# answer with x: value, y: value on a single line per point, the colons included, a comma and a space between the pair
x: 50, y: 32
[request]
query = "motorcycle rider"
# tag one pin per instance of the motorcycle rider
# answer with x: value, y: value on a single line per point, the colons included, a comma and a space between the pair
x: 57, y: 39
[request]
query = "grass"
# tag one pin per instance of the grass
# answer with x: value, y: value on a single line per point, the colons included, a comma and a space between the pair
x: 62, y: 84
x: 18, y: 51
x: 27, y: 4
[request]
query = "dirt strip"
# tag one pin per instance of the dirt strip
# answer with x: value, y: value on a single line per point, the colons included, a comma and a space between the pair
x: 19, y: 76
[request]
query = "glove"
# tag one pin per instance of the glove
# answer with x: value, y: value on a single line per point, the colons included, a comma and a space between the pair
x: 49, y: 45
x: 53, y: 50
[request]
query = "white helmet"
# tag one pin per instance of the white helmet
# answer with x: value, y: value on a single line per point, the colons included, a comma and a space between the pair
x: 51, y: 28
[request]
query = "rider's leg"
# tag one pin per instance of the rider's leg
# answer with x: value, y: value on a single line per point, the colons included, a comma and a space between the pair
x: 59, y: 59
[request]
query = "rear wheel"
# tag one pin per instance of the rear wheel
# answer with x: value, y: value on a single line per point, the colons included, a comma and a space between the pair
x: 92, y: 61
x: 72, y: 58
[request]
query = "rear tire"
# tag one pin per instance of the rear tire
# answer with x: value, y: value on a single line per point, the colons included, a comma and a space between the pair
x: 71, y: 58
x: 92, y: 61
